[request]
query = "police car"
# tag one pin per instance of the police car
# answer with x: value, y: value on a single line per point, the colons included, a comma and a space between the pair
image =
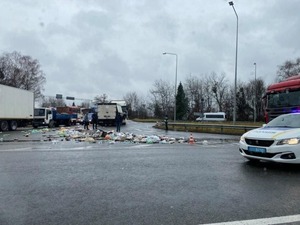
x: 277, y: 141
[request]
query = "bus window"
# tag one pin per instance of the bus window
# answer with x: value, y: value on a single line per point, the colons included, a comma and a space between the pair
x: 219, y: 116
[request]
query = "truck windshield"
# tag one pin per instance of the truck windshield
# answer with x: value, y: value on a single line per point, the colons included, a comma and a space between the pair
x: 39, y: 112
x: 281, y: 99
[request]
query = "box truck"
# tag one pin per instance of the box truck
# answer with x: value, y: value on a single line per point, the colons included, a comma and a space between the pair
x: 16, y: 107
x: 124, y: 107
x: 107, y: 113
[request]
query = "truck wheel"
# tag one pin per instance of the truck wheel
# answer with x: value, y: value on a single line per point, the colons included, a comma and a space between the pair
x: 13, y: 125
x: 51, y: 124
x: 4, y: 125
x: 68, y: 123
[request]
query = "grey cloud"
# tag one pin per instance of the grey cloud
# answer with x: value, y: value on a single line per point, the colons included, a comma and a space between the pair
x: 114, y: 46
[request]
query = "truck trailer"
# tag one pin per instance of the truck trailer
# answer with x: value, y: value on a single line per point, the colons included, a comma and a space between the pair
x: 74, y: 111
x: 16, y: 107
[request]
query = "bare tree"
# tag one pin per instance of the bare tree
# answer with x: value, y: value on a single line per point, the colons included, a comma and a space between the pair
x: 22, y: 72
x: 52, y: 102
x: 260, y: 91
x: 101, y: 98
x: 228, y: 102
x: 132, y: 101
x: 219, y: 89
x: 163, y: 96
x: 207, y: 95
x: 194, y: 92
x: 142, y: 111
x: 288, y: 69
x: 85, y: 104
x: 254, y: 91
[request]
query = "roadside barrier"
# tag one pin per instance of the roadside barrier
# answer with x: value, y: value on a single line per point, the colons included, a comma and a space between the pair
x: 208, y: 128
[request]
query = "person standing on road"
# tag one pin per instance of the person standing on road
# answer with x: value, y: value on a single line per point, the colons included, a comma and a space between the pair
x: 86, y: 121
x: 95, y: 120
x: 166, y: 122
x: 118, y: 121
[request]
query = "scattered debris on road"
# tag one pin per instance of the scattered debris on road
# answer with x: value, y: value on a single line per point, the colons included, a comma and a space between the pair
x: 78, y: 134
x: 111, y: 137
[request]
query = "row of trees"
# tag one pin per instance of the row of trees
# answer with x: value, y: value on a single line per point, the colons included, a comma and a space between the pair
x: 199, y: 94
x: 196, y: 94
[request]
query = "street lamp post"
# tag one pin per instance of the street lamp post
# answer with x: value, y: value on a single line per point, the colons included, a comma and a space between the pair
x: 168, y: 53
x: 236, y: 53
x: 254, y: 92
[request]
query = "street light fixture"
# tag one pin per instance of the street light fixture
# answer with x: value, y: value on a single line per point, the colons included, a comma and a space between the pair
x: 169, y: 53
x: 254, y: 92
x: 236, y: 53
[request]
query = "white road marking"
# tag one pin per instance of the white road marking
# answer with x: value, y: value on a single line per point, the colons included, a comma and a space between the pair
x: 57, y: 146
x: 265, y: 221
x: 17, y: 150
x: 139, y: 146
x: 30, y: 149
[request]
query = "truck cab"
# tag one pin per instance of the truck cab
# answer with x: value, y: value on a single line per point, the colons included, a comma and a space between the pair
x: 43, y: 117
x: 282, y: 98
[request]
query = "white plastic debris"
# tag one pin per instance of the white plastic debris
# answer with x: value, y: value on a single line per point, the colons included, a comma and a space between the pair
x: 78, y: 134
x: 205, y: 142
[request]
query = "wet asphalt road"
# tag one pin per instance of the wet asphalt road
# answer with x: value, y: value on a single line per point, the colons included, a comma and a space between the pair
x: 83, y: 183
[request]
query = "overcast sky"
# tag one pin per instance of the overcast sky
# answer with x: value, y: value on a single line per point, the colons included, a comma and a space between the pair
x: 91, y: 47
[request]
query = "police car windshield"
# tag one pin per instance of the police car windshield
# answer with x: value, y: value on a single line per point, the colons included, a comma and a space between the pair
x: 287, y: 120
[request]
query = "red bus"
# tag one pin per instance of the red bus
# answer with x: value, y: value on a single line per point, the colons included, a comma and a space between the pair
x: 282, y: 98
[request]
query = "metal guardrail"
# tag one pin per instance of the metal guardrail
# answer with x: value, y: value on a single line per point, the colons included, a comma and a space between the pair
x: 219, y: 128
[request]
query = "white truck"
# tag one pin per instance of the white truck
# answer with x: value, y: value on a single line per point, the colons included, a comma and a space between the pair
x: 107, y: 113
x: 52, y: 118
x: 123, y: 105
x: 16, y: 107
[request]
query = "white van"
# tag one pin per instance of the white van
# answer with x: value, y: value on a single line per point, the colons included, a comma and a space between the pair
x: 212, y: 116
x: 107, y: 113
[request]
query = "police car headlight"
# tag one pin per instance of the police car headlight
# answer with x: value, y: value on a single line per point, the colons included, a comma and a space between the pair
x: 289, y: 141
x: 242, y: 139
